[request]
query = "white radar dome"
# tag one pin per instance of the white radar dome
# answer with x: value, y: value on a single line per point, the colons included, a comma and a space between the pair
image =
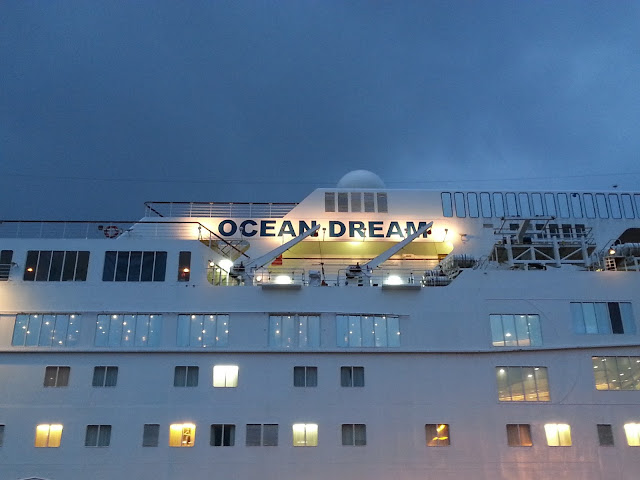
x: 361, y: 179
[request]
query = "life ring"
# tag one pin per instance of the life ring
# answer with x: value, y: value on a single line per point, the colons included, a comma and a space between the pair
x: 111, y: 231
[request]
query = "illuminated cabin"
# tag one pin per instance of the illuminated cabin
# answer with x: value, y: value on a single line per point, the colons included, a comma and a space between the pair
x: 362, y: 333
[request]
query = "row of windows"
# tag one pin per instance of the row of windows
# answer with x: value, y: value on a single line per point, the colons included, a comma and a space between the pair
x: 355, y: 202
x: 563, y: 205
x: 306, y: 435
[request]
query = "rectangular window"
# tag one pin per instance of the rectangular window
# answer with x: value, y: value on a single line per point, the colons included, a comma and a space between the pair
x: 522, y: 384
x: 105, y: 376
x: 368, y: 202
x: 343, y: 202
x: 605, y: 435
x: 305, y: 376
x: 519, y: 435
x: 458, y: 199
x: 512, y: 205
x: 186, y: 376
x: 56, y: 376
x: 616, y: 373
x: 305, y: 435
x: 523, y: 198
x: 627, y: 206
x: 589, y: 206
x: 614, y: 202
x: 120, y: 266
x: 294, y: 331
x: 563, y: 205
x: 1, y: 435
x: 447, y: 210
x: 150, y: 435
x: 223, y: 435
x: 48, y: 436
x: 329, y: 202
x: 262, y: 435
x: 56, y: 266
x: 538, y: 207
x: 6, y: 256
x: 632, y: 431
x: 368, y: 331
x: 576, y: 206
x: 382, y: 202
x: 225, y: 376
x: 603, y: 317
x: 356, y: 201
x: 131, y: 330
x: 558, y: 434
x: 352, y: 376
x: 184, y: 266
x: 437, y: 435
x: 485, y: 204
x: 515, y: 330
x: 354, y: 434
x: 98, y: 436
x: 472, y: 200
x: 205, y: 331
x: 601, y: 204
x: 182, y: 435
x: 46, y: 330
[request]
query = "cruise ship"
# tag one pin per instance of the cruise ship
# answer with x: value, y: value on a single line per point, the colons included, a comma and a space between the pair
x: 362, y: 333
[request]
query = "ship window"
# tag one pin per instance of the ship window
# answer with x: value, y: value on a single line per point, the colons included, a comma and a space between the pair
x: 519, y: 435
x: 472, y: 200
x: 356, y: 201
x: 56, y: 376
x: 150, y: 435
x: 98, y: 436
x: 485, y: 204
x: 382, y: 203
x: 601, y: 203
x: 222, y: 435
x: 182, y: 435
x: 5, y: 264
x: 627, y: 206
x: 305, y: 376
x: 204, y: 331
x: 124, y: 266
x: 603, y: 317
x: 515, y: 330
x: 354, y: 434
x: 329, y: 202
x: 614, y: 203
x: 458, y: 198
x: 636, y: 197
x: 512, y: 205
x: 305, y: 435
x: 133, y: 330
x: 498, y: 204
x: 558, y: 434
x: 262, y: 435
x: 576, y: 205
x: 352, y: 376
x: 605, y: 435
x: 589, y: 206
x: 105, y: 376
x: 368, y: 331
x: 55, y: 266
x: 538, y: 208
x: 1, y: 435
x: 46, y: 330
x: 524, y: 204
x: 563, y: 205
x: 616, y: 373
x: 186, y: 376
x: 550, y: 203
x: 368, y: 202
x: 522, y: 384
x: 184, y: 266
x: 48, y: 435
x: 437, y: 434
x: 632, y: 431
x: 294, y: 331
x: 447, y: 210
x: 343, y: 202
x: 225, y: 376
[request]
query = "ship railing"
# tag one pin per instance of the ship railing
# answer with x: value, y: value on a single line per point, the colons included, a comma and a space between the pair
x: 217, y: 209
x: 279, y: 276
x: 541, y: 230
x: 391, y: 277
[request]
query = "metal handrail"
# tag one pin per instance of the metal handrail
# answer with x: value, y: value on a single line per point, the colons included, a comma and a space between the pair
x: 219, y: 209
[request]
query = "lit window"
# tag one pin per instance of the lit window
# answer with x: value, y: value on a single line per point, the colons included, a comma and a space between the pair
x: 56, y: 376
x: 305, y: 435
x: 186, y: 376
x: 519, y: 435
x: 632, y: 430
x: 354, y: 434
x: 352, y: 376
x: 605, y: 435
x: 437, y: 435
x: 98, y: 436
x: 305, y: 376
x: 204, y: 331
x: 223, y: 435
x: 131, y: 330
x: 522, y: 384
x: 105, y: 376
x: 46, y: 330
x: 558, y: 434
x: 48, y: 435
x: 262, y: 435
x: 515, y: 330
x: 150, y: 435
x: 225, y: 376
x: 603, y: 317
x: 182, y: 435
x: 616, y: 373
x: 294, y: 331
x: 368, y: 331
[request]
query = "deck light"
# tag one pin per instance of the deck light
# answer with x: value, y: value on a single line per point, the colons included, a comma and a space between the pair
x: 226, y: 264
x: 612, y: 251
x: 393, y: 280
x: 283, y: 280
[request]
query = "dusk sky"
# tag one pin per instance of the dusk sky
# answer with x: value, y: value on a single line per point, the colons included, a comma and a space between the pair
x: 104, y: 105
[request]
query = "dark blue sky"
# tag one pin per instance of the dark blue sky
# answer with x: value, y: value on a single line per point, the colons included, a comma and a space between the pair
x: 104, y: 105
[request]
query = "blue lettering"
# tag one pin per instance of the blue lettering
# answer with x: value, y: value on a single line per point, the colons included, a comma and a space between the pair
x: 332, y: 230
x: 375, y: 227
x: 303, y: 227
x: 286, y: 229
x: 411, y: 228
x: 356, y: 227
x: 394, y: 229
x: 243, y: 228
x: 223, y: 224
x: 266, y: 228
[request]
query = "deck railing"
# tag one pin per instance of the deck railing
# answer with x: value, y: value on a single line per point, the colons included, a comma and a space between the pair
x: 217, y: 209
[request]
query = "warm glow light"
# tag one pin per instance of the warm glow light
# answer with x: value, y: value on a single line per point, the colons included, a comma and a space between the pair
x: 305, y: 435
x: 48, y: 435
x: 632, y: 430
x: 182, y: 435
x: 226, y: 264
x: 185, y: 270
x: 283, y: 280
x: 558, y: 434
x: 29, y: 269
x: 393, y: 280
x: 612, y: 251
x: 225, y: 376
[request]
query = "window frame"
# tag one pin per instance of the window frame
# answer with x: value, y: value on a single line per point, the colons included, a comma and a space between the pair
x: 102, y: 434
x: 190, y: 378
x: 225, y: 432
x: 305, y: 376
x: 519, y: 435
x: 354, y: 434
x: 58, y: 379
